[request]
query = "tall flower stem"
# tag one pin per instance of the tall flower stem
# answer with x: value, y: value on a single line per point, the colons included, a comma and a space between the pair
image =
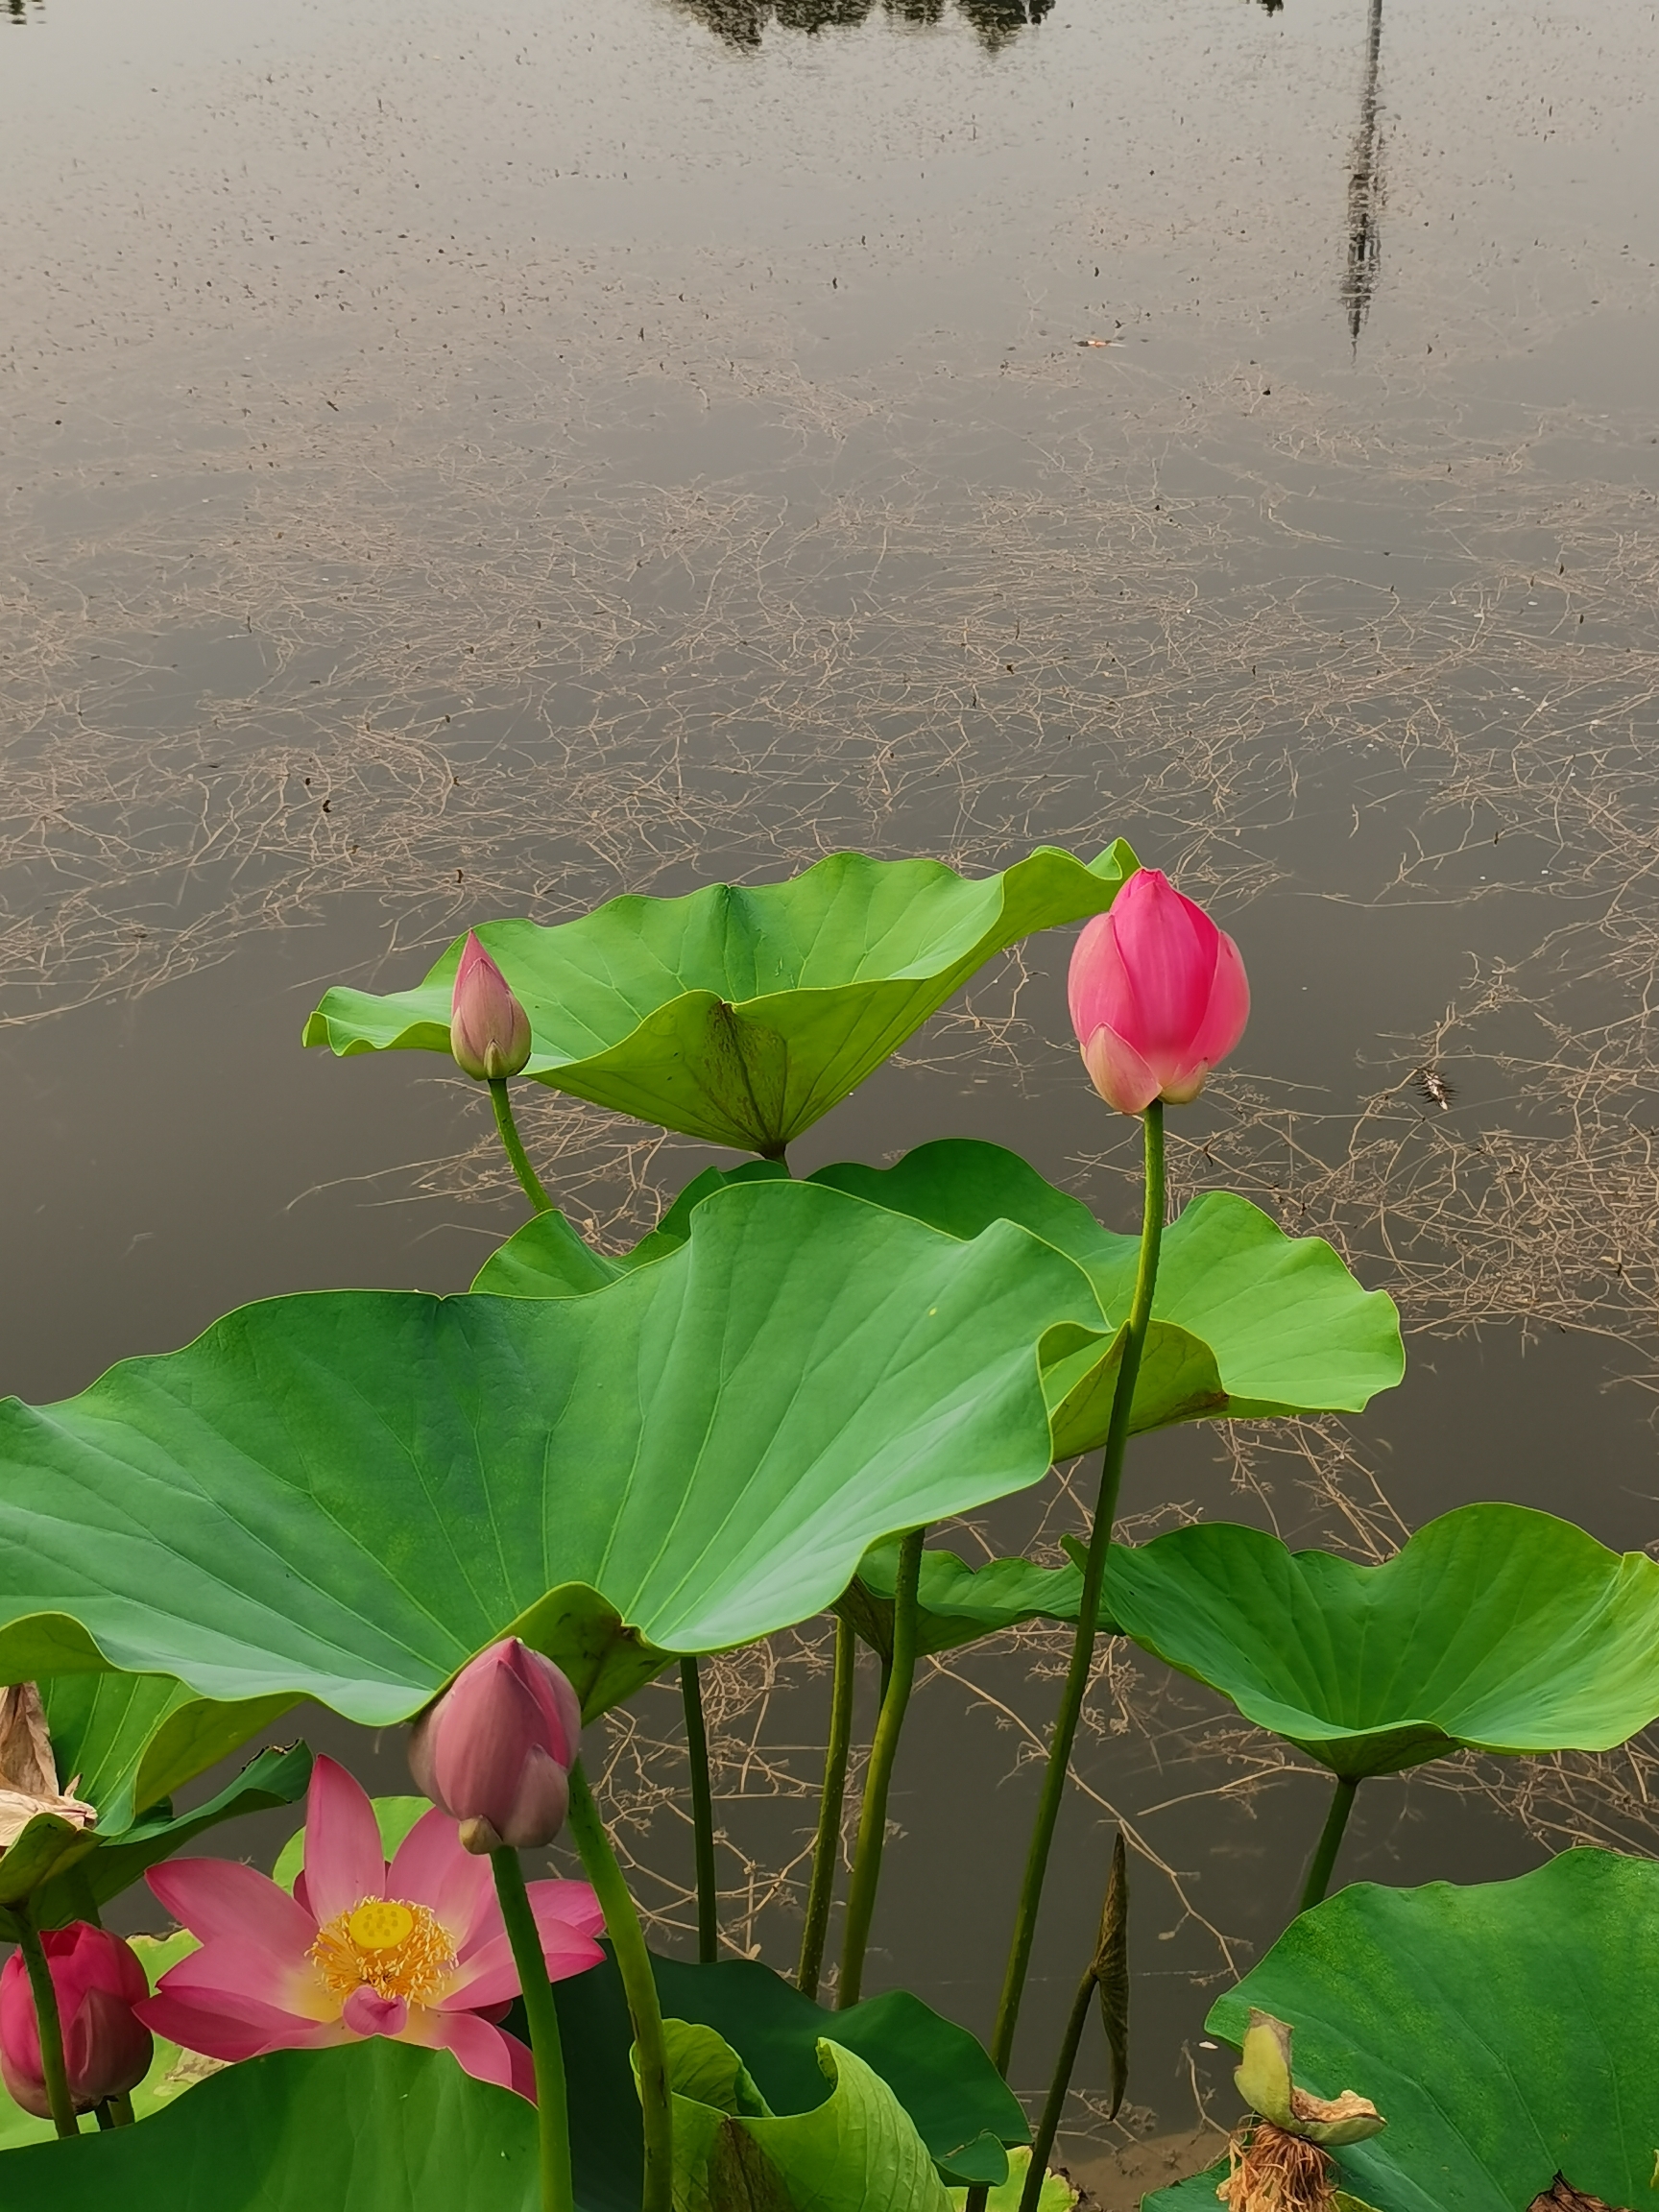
x: 1088, y: 1611
x: 1323, y: 1863
x: 639, y: 1986
x: 50, y: 2028
x: 1049, y: 2127
x: 542, y: 2013
x: 515, y: 1145
x: 883, y: 1751
x: 702, y: 1813
x: 827, y: 1849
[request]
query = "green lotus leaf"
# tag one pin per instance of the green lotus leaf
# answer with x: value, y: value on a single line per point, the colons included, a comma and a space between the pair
x: 961, y: 2107
x: 344, y: 1495
x: 741, y: 1016
x: 1507, y: 2029
x: 1495, y: 1627
x: 1246, y: 1322
x: 956, y: 1604
x: 370, y: 2127
x: 127, y: 1740
x: 856, y: 2152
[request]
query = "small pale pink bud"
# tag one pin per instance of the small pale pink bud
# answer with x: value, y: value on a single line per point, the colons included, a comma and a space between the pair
x: 488, y: 1031
x: 1158, y: 996
x: 495, y: 1751
x: 106, y: 2049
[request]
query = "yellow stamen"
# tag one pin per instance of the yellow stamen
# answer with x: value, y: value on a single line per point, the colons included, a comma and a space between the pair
x: 396, y: 1948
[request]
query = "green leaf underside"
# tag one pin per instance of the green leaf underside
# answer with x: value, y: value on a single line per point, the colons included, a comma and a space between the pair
x: 371, y: 2127
x: 277, y: 1777
x: 856, y: 2150
x: 1247, y: 1322
x: 108, y: 1729
x: 344, y: 1495
x: 957, y: 1603
x: 135, y: 1739
x: 959, y: 2104
x: 740, y: 1016
x: 1494, y: 1627
x: 1507, y: 2031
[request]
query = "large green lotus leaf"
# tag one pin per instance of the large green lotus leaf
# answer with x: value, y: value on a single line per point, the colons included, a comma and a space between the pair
x: 1494, y: 1627
x: 1246, y: 1322
x: 344, y: 1495
x: 371, y: 2127
x: 956, y: 1604
x: 958, y: 2103
x: 856, y: 2151
x: 1507, y: 2033
x: 740, y: 1016
x: 126, y: 1740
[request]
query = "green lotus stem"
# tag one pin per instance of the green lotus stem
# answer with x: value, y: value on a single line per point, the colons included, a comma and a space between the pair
x: 49, y: 2026
x: 515, y: 1145
x: 1089, y: 1610
x: 1049, y: 2127
x: 639, y: 1986
x: 702, y: 1813
x: 120, y: 2108
x: 542, y: 2014
x: 1323, y: 1862
x: 883, y: 1751
x: 827, y: 1849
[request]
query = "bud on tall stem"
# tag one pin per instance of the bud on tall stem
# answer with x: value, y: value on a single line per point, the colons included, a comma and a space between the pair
x: 488, y: 1031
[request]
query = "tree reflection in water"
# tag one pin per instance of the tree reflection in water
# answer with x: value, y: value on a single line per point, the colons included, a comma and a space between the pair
x: 745, y: 22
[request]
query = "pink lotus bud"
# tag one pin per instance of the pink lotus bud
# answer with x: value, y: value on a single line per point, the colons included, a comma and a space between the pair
x: 488, y: 1031
x: 106, y: 2049
x: 1158, y: 996
x: 495, y: 1751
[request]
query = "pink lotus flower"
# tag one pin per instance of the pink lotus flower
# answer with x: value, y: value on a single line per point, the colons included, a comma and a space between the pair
x: 415, y: 1950
x: 1158, y: 996
x: 488, y: 1031
x: 494, y: 1749
x: 107, y: 2048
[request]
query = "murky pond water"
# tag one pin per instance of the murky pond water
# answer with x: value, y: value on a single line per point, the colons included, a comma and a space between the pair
x: 464, y: 463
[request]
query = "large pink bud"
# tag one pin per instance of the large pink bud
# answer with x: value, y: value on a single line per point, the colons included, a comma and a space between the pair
x: 488, y: 1031
x: 1158, y: 996
x: 494, y: 1752
x: 106, y: 2049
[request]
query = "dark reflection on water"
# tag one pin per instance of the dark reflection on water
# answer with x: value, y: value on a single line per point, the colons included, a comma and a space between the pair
x: 745, y: 22
x: 1365, y: 190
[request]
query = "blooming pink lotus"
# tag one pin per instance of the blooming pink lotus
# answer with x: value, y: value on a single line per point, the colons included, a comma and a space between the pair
x: 488, y: 1031
x: 1158, y: 994
x: 415, y: 1949
x: 99, y: 1985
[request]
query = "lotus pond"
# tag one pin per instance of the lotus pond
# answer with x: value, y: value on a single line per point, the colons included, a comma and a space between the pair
x: 768, y: 516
